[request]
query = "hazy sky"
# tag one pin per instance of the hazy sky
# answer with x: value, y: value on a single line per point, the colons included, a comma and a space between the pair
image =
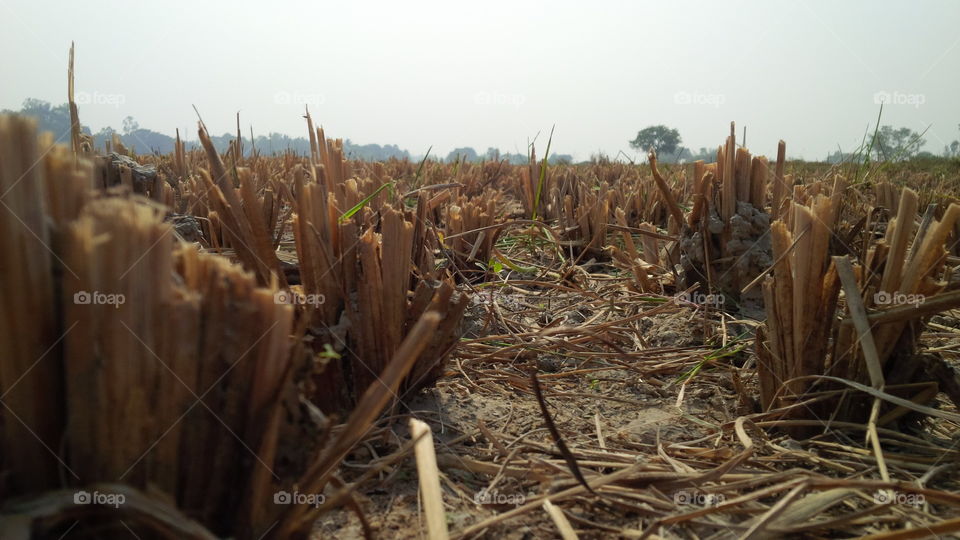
x: 493, y: 73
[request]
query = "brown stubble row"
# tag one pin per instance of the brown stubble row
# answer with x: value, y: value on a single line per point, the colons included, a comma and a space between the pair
x: 117, y: 386
x: 268, y: 188
x: 375, y: 285
x: 806, y: 336
x: 339, y: 260
x: 714, y: 192
x: 800, y: 298
x: 242, y: 214
x: 471, y: 232
x: 181, y: 389
x: 29, y: 325
x: 744, y: 177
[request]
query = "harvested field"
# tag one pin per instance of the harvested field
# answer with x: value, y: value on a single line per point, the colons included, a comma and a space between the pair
x: 240, y: 345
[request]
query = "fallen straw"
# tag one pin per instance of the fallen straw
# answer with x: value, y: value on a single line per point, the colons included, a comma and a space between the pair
x: 429, y: 480
x: 560, y: 520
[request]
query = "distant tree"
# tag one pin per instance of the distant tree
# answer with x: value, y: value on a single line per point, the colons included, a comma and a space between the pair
x: 466, y: 153
x: 515, y: 159
x: 705, y: 154
x: 276, y: 143
x: 837, y: 157
x: 686, y: 155
x: 953, y: 150
x: 896, y: 144
x: 101, y: 137
x: 130, y: 125
x: 374, y: 152
x: 599, y: 157
x: 145, y: 141
x: 660, y: 139
x: 53, y: 119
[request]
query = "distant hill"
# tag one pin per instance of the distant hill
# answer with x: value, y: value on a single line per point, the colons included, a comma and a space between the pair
x: 56, y: 119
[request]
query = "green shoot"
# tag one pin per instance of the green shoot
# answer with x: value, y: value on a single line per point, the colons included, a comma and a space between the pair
x: 359, y: 206
x: 543, y: 175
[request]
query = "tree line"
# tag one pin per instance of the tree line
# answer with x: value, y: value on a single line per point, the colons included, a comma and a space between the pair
x: 885, y: 144
x: 56, y: 119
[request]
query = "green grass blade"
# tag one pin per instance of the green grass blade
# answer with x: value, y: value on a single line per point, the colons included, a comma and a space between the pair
x: 422, y: 161
x: 513, y: 266
x: 349, y: 213
x: 543, y: 175
x: 866, y: 161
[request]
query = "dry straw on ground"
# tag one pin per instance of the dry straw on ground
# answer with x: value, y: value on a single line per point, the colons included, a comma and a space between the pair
x: 579, y: 385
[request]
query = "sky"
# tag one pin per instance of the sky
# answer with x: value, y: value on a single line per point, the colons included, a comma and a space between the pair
x: 497, y: 74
